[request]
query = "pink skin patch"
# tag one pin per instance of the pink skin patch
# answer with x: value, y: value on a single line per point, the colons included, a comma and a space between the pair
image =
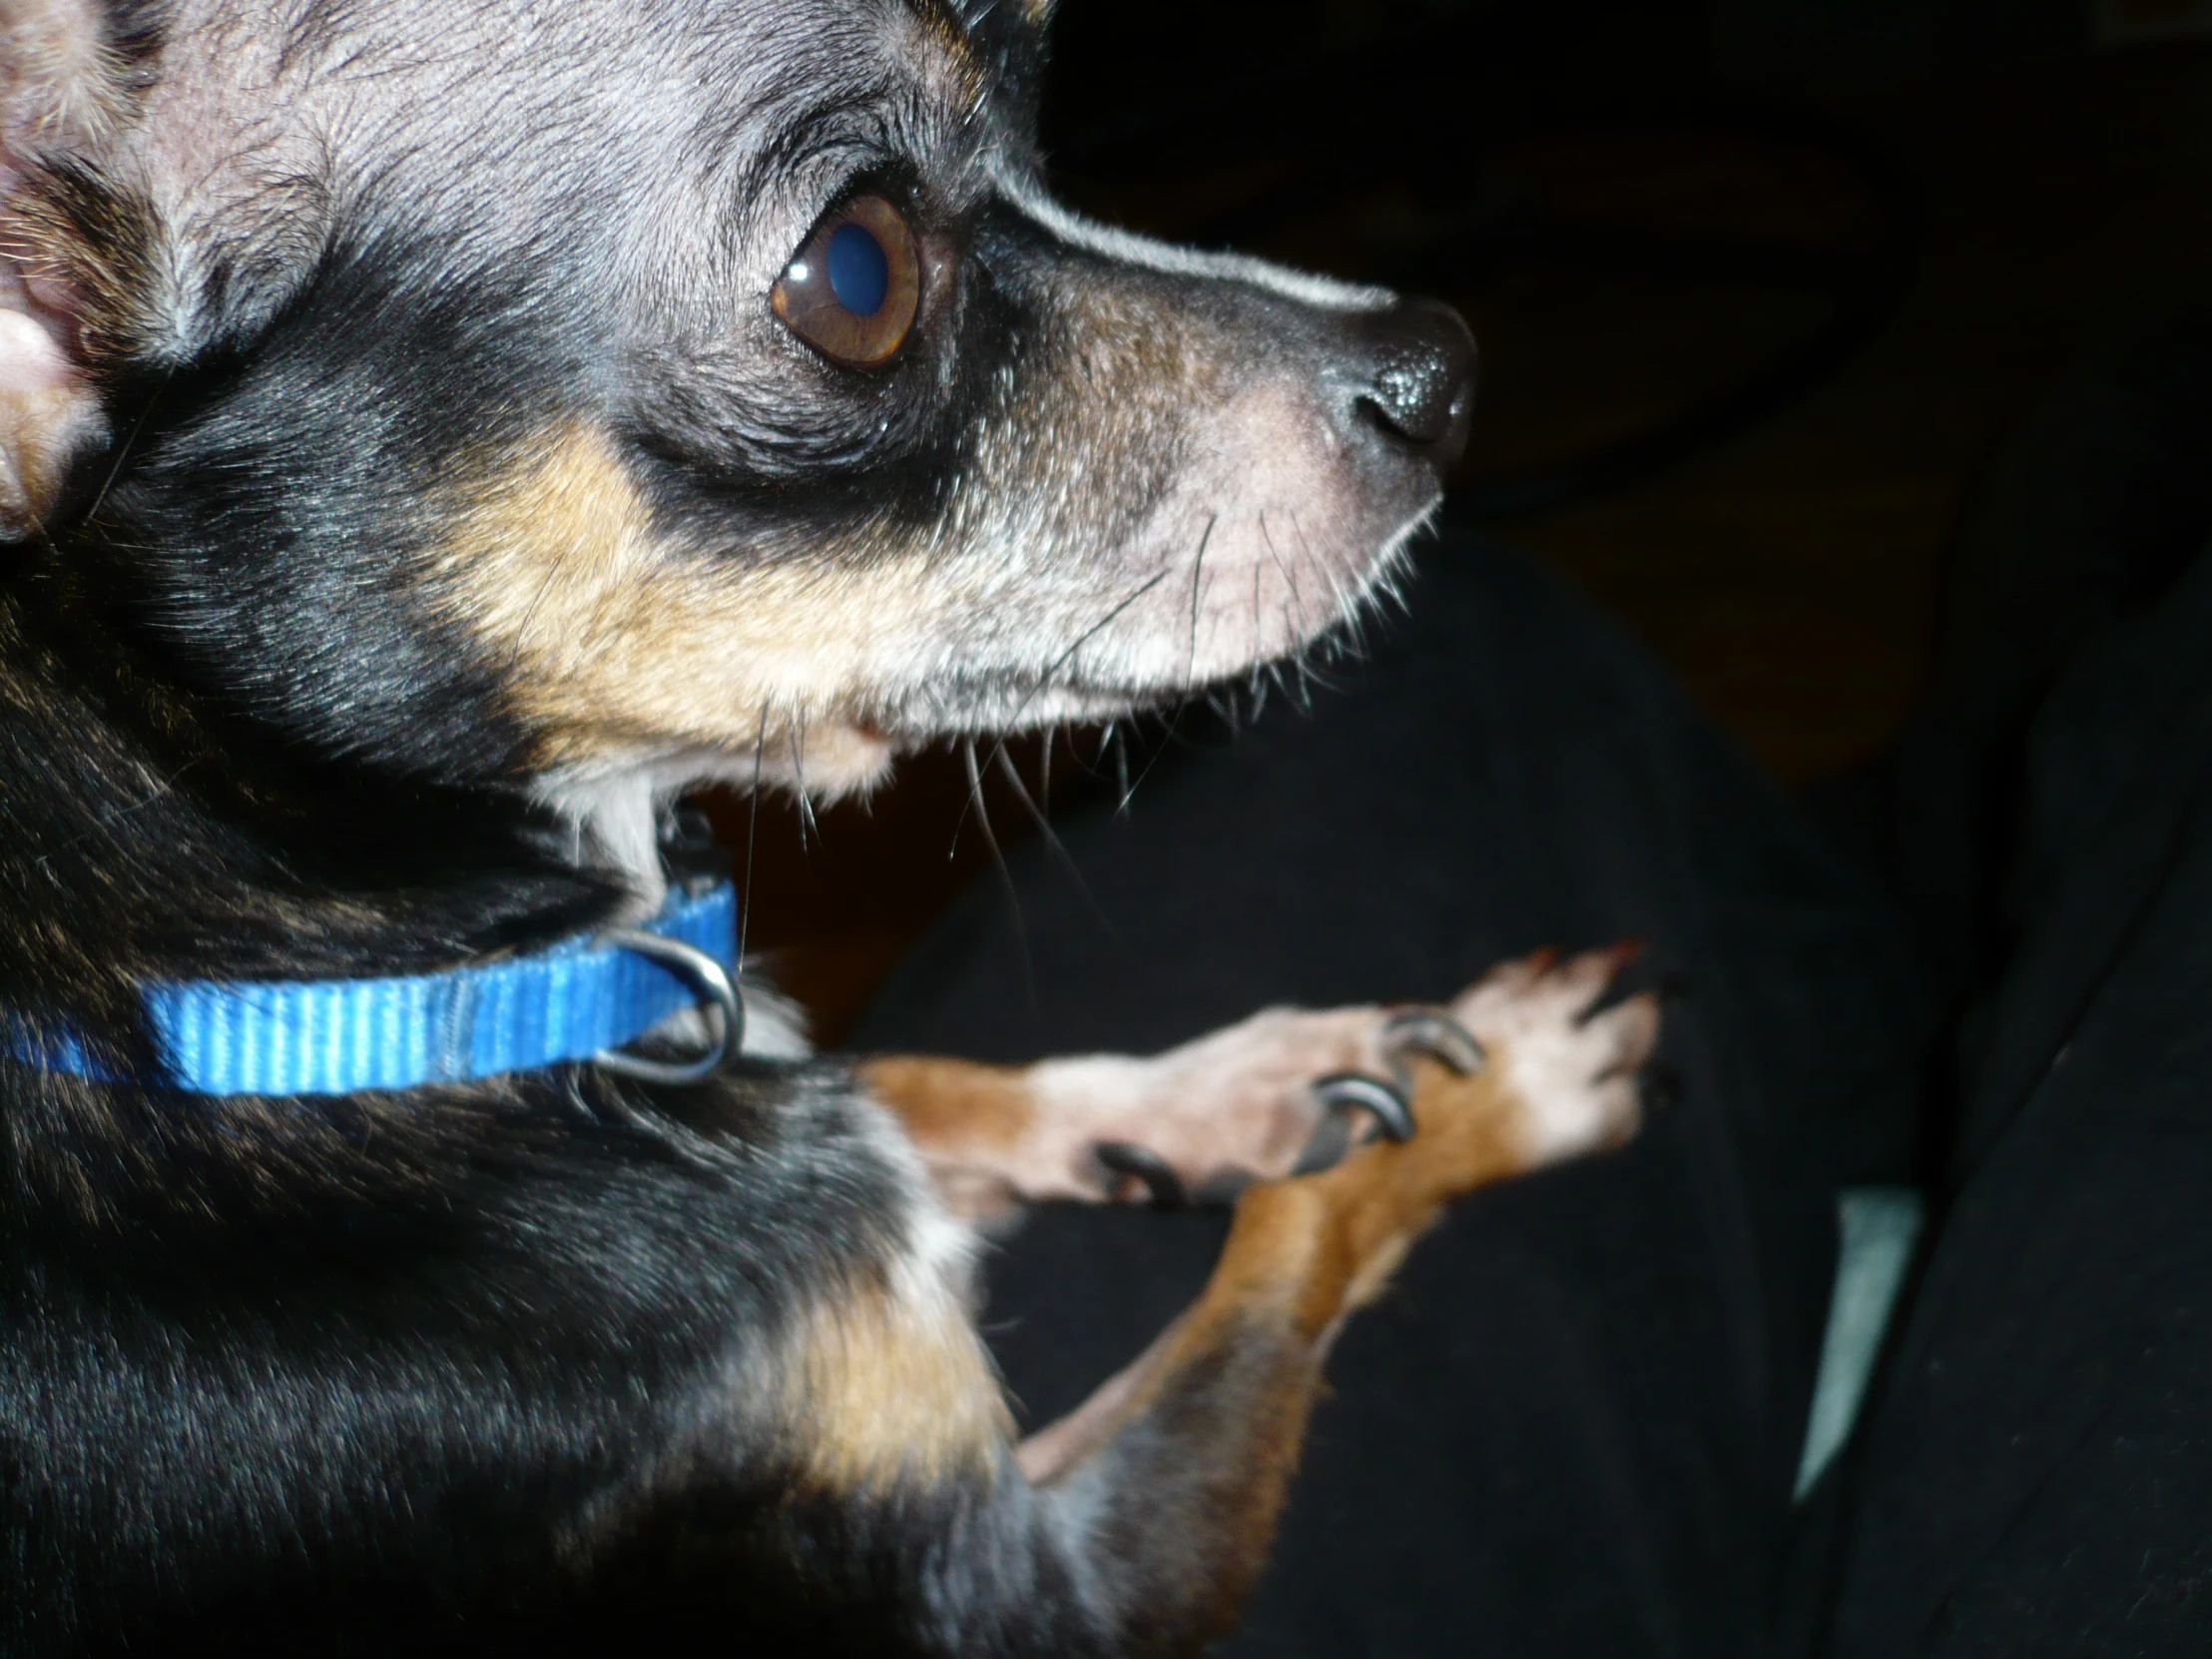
x: 47, y: 408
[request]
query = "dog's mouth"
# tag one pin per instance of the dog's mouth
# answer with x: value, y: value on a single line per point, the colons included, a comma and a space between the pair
x: 1211, y: 631
x: 1200, y: 628
x: 856, y: 753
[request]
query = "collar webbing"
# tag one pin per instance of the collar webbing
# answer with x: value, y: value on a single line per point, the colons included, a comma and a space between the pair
x: 334, y: 1036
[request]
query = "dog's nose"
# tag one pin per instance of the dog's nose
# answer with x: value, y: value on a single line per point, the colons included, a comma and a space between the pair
x: 1419, y: 375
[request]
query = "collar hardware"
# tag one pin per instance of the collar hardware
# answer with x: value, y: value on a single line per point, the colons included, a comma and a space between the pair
x: 719, y: 1004
x: 584, y: 999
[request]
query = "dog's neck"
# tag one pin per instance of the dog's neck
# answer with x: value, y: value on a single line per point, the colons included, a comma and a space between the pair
x: 143, y: 836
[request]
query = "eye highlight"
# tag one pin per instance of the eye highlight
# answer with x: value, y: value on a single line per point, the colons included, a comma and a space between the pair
x: 851, y: 291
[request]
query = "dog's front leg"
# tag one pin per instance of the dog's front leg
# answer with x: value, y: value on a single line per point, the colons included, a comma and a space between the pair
x: 1200, y: 1120
x: 1164, y: 1487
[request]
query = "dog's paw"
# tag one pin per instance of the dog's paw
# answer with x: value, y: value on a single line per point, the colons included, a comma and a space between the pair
x: 1202, y: 1120
x: 1566, y: 1067
x: 1293, y: 1091
x: 1521, y: 1069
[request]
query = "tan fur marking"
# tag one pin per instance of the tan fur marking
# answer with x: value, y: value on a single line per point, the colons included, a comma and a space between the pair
x: 969, y: 1124
x: 1301, y: 1255
x: 954, y: 1105
x: 626, y: 641
x: 1305, y: 1253
x: 885, y: 1390
x: 973, y: 1125
x: 1323, y: 1245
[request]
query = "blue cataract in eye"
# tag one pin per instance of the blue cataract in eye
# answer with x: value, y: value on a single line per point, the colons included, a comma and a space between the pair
x: 860, y: 274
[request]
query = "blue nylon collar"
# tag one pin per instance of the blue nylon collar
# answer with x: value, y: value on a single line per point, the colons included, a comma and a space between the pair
x: 334, y: 1036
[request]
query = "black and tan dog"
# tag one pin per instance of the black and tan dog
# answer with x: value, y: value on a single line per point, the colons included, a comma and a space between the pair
x: 434, y: 435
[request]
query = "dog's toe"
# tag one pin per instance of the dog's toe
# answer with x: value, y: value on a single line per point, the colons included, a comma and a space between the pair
x: 1569, y: 1058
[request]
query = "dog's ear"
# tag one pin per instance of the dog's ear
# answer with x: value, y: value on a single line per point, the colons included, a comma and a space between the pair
x: 64, y: 97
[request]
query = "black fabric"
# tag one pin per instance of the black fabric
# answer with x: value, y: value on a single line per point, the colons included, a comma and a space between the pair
x: 2086, y: 518
x: 2038, y: 1476
x: 1573, y: 1426
x: 1571, y: 1429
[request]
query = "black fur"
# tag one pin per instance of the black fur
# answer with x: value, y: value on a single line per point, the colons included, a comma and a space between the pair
x: 467, y: 1368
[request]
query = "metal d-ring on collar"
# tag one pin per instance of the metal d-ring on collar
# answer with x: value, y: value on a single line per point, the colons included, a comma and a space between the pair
x: 720, y: 1003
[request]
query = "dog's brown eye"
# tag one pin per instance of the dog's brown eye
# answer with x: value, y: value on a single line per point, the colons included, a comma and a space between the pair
x: 853, y: 291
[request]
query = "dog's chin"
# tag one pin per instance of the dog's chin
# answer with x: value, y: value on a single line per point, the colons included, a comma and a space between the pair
x: 615, y: 804
x: 616, y: 799
x: 1189, y: 637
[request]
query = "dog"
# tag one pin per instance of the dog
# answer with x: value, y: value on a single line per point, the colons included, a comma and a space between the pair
x: 433, y: 438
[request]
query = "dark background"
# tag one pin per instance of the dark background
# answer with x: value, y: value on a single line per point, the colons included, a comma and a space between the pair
x: 1761, y: 286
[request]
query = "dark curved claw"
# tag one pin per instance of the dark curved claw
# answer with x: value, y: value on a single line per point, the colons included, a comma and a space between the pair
x: 1332, y: 1139
x: 1433, y: 1032
x: 1341, y: 1094
x: 1125, y: 1159
x: 1382, y: 1101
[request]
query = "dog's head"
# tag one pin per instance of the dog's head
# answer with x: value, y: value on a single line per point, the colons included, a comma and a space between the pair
x: 593, y: 397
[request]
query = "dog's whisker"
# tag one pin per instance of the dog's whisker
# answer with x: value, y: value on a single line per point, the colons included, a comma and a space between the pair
x: 952, y: 849
x: 1052, y: 841
x: 1198, y: 571
x: 1169, y: 736
x: 1258, y: 692
x: 752, y: 834
x: 1297, y: 610
x: 1052, y: 673
x: 1097, y: 764
x: 1342, y: 606
x: 808, y: 825
x: 1342, y: 603
x: 123, y: 450
x: 998, y: 857
x: 1347, y: 637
